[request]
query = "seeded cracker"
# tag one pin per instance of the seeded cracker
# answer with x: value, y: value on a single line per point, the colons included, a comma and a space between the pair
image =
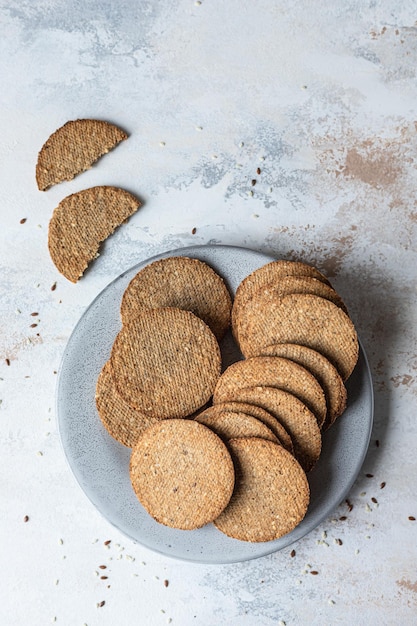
x: 298, y: 421
x: 272, y: 272
x: 180, y: 282
x: 271, y: 495
x: 229, y: 424
x: 263, y: 295
x: 273, y: 372
x: 262, y: 415
x: 182, y: 473
x: 166, y: 363
x: 307, y: 320
x: 326, y: 374
x: 119, y: 419
x: 73, y: 148
x: 81, y: 222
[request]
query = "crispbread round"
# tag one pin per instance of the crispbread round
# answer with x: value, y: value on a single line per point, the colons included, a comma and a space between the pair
x: 81, y: 222
x: 119, y: 419
x: 166, y: 362
x: 182, y: 473
x: 231, y: 424
x: 73, y: 148
x: 270, y: 273
x: 180, y: 282
x: 272, y: 371
x: 307, y: 320
x: 327, y: 375
x: 264, y: 294
x: 297, y: 419
x: 271, y: 494
x: 262, y: 415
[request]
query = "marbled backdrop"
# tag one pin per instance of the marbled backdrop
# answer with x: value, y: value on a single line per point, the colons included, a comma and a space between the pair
x: 321, y: 98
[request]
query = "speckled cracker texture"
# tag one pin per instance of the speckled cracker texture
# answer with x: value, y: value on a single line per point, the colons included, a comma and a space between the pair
x: 272, y: 272
x: 166, y: 362
x: 264, y: 416
x: 297, y: 419
x: 180, y: 282
x: 121, y: 421
x: 271, y: 495
x: 307, y: 320
x: 81, y: 222
x: 326, y: 374
x: 231, y: 424
x: 73, y: 148
x: 273, y: 372
x: 182, y: 473
x: 262, y: 296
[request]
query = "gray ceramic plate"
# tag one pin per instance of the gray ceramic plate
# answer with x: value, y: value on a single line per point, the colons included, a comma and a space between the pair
x: 100, y: 464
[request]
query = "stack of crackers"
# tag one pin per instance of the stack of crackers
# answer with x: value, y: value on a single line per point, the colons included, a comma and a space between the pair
x: 233, y: 447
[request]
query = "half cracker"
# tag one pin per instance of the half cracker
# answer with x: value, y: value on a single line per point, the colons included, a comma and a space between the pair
x: 73, y: 148
x: 81, y: 222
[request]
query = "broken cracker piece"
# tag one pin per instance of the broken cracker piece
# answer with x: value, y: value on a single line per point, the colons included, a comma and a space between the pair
x: 81, y: 222
x: 73, y: 148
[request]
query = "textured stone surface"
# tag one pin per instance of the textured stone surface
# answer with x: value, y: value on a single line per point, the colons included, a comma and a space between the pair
x: 322, y: 100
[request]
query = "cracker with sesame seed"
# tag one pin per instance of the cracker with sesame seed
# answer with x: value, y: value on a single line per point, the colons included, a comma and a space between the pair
x: 262, y: 415
x: 232, y: 424
x: 261, y: 296
x: 272, y: 272
x: 271, y: 494
x: 81, y: 222
x: 180, y: 282
x: 121, y: 421
x: 73, y: 148
x: 326, y: 374
x: 182, y: 473
x: 297, y: 419
x: 166, y: 362
x: 307, y: 320
x: 277, y: 372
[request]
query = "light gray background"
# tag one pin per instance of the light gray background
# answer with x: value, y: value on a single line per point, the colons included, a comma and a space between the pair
x: 321, y: 97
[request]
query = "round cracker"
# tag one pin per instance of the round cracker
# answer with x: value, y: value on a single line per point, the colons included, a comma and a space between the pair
x: 180, y: 282
x: 271, y: 494
x: 233, y: 424
x: 270, y: 273
x: 73, y: 148
x: 262, y: 415
x: 166, y: 362
x: 182, y: 473
x: 121, y: 421
x: 81, y: 222
x: 326, y: 374
x: 277, y: 372
x: 262, y: 295
x: 307, y: 320
x: 297, y: 419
